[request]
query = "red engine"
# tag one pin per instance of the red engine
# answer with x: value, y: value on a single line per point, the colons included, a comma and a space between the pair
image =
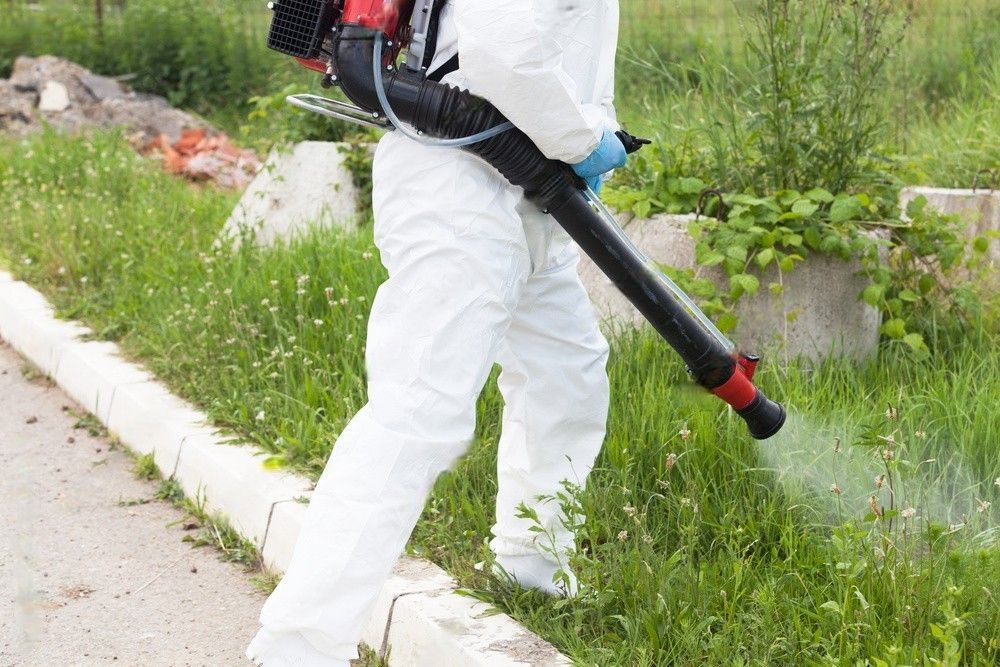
x: 304, y: 28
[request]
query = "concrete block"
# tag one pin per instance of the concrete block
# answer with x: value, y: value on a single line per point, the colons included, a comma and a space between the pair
x: 818, y: 314
x: 28, y: 324
x: 149, y: 419
x: 19, y: 296
x: 441, y: 628
x: 90, y: 372
x: 54, y: 97
x: 234, y: 482
x: 282, y: 533
x: 409, y: 576
x: 295, y: 190
x: 979, y: 209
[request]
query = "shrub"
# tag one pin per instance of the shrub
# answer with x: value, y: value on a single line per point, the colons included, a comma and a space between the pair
x: 811, y: 112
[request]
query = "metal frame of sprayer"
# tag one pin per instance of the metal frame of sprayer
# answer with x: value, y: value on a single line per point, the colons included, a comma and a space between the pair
x: 356, y: 44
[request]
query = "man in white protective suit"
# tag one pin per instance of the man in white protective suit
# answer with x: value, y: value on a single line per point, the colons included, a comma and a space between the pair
x: 477, y: 275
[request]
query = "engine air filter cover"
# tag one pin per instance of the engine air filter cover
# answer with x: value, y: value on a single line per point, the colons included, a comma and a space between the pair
x: 299, y: 26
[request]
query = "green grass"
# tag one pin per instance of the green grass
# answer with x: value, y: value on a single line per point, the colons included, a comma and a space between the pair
x: 730, y: 553
x: 210, y: 56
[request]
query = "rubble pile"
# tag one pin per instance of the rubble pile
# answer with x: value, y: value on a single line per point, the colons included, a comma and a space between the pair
x: 201, y: 157
x: 61, y: 94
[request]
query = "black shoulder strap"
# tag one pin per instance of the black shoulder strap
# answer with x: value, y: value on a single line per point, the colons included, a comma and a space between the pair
x: 444, y: 70
x: 430, y: 46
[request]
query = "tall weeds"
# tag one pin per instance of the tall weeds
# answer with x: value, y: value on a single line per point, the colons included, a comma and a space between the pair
x: 810, y: 104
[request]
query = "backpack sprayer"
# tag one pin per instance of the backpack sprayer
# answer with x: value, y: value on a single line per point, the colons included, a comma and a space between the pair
x: 356, y: 43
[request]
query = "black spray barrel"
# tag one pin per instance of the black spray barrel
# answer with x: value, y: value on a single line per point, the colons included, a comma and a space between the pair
x: 443, y: 111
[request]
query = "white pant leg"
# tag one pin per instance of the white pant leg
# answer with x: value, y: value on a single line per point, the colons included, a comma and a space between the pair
x: 454, y: 246
x: 556, y: 396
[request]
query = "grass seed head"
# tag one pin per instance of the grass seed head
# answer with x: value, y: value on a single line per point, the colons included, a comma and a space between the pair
x: 873, y: 504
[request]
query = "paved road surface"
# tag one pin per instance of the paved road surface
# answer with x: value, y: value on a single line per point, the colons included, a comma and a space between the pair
x: 87, y: 579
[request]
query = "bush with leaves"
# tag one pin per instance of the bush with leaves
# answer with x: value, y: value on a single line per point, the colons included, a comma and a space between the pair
x: 808, y: 106
x: 272, y: 120
x: 914, y: 264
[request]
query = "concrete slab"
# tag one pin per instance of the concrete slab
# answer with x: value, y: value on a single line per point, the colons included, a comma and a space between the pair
x: 32, y: 330
x: 817, y: 315
x: 235, y: 482
x: 151, y: 420
x: 54, y: 97
x: 979, y: 209
x: 456, y: 631
x: 282, y: 533
x: 409, y: 576
x: 20, y: 297
x: 91, y: 372
x: 306, y: 186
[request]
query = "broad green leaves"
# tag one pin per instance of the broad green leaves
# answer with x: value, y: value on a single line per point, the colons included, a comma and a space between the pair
x: 908, y: 264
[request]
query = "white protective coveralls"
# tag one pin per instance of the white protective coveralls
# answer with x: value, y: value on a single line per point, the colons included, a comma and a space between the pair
x: 477, y: 275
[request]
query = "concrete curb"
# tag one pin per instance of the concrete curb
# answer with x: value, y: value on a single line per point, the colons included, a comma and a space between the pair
x: 418, y: 615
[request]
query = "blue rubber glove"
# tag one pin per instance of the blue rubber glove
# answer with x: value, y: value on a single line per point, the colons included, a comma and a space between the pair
x: 595, y: 184
x: 610, y: 154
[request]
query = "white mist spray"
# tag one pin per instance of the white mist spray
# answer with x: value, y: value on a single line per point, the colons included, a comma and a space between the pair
x: 818, y: 462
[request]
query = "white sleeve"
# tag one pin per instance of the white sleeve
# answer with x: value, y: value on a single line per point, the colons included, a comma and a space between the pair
x: 507, y: 58
x: 605, y: 84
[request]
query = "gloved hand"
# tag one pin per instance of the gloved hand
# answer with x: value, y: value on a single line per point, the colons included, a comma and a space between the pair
x: 609, y: 154
x: 595, y: 183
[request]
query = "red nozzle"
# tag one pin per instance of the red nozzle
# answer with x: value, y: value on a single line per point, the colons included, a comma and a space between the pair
x: 748, y: 362
x: 738, y: 391
x: 763, y: 416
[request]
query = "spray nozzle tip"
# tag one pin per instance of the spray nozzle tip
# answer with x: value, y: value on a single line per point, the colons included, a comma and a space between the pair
x: 763, y: 416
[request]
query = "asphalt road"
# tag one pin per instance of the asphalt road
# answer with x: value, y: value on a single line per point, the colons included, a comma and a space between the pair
x: 93, y: 570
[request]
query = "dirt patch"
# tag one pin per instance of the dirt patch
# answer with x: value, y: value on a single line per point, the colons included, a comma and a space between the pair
x: 53, y: 92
